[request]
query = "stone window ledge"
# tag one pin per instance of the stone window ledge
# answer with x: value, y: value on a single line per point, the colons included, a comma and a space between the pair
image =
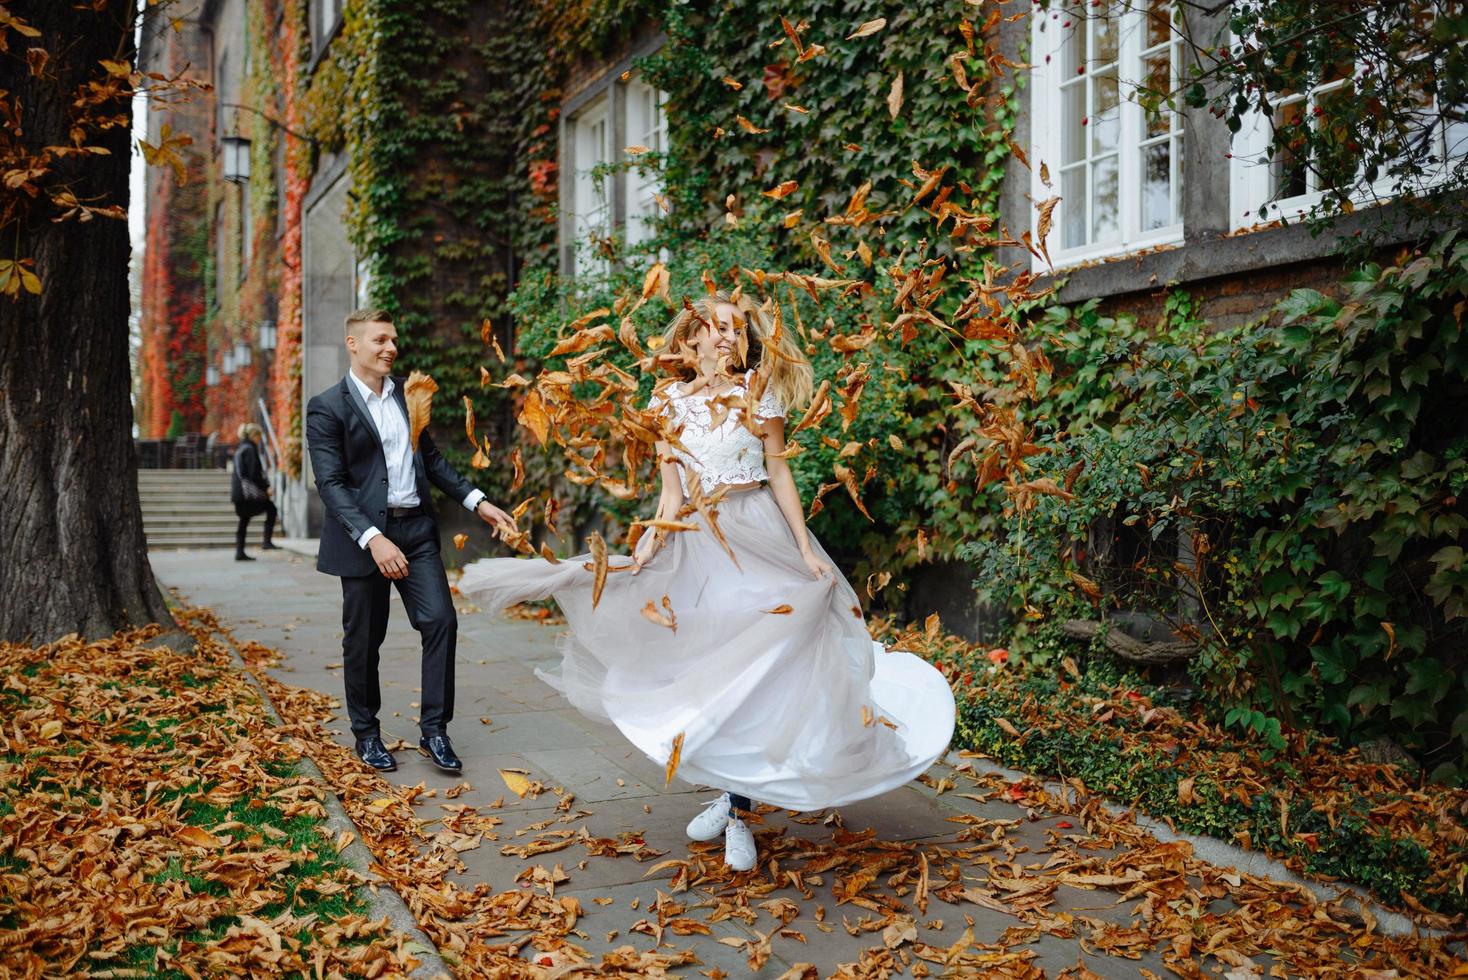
x: 1210, y: 257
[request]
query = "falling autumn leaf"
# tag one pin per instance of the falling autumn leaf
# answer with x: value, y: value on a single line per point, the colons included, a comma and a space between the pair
x: 674, y: 757
x: 460, y: 540
x: 418, y: 393
x: 599, y: 566
x: 784, y: 609
x: 469, y: 421
x: 868, y: 28
x: 533, y: 416
x: 894, y: 96
x: 519, y: 467
x: 783, y: 189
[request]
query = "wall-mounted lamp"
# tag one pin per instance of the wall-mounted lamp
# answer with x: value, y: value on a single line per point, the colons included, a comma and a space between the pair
x: 241, y: 354
x: 235, y: 151
x: 211, y: 376
x: 226, y: 362
x: 266, y: 334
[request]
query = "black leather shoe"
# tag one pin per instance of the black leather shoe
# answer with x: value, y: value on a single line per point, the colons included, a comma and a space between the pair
x: 441, y: 753
x: 267, y: 546
x: 243, y: 557
x: 371, y: 751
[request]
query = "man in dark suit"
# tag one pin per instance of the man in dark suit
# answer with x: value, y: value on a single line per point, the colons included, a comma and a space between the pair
x: 381, y: 528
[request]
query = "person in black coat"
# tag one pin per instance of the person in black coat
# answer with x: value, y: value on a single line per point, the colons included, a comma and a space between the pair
x: 381, y: 530
x: 249, y: 491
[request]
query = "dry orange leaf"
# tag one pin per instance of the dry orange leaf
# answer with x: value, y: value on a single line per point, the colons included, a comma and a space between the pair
x: 651, y: 614
x: 599, y: 566
x: 418, y: 393
x: 460, y: 540
x: 674, y: 757
x: 516, y: 781
x: 867, y: 29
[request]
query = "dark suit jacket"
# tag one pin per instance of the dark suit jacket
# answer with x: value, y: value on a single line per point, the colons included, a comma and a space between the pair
x: 246, y: 467
x: 351, y: 475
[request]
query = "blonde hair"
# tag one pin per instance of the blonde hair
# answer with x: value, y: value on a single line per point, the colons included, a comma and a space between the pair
x: 769, y: 349
x: 250, y: 431
x: 366, y: 315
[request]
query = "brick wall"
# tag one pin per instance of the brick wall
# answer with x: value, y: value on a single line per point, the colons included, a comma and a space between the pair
x: 1227, y: 301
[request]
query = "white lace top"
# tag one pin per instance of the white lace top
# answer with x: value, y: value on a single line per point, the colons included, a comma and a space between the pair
x: 726, y: 454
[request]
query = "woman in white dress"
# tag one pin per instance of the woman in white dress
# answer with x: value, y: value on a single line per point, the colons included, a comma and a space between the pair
x: 770, y: 685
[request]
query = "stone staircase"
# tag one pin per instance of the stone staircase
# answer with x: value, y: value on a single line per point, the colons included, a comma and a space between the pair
x: 189, y: 509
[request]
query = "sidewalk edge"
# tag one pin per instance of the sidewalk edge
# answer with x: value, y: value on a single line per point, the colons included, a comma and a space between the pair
x: 383, y: 899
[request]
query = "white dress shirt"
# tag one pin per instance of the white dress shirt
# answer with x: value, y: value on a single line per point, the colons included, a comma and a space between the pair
x: 397, y: 449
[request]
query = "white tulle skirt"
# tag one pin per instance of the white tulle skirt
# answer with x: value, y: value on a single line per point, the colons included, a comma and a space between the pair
x: 799, y: 709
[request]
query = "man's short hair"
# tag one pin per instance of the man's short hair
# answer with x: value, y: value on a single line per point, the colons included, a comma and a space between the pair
x: 368, y: 315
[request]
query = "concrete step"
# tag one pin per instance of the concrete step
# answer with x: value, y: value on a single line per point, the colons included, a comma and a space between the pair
x: 156, y: 542
x: 155, y: 477
x: 212, y: 504
x: 198, y: 524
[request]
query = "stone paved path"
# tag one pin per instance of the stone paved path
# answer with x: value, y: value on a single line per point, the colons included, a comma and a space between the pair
x: 506, y: 718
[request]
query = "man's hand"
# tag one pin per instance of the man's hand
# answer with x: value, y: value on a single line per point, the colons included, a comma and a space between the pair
x: 502, y: 523
x: 390, y: 559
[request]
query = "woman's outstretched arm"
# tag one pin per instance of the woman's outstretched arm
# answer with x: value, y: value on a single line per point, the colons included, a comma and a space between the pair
x: 782, y: 485
x: 670, y: 501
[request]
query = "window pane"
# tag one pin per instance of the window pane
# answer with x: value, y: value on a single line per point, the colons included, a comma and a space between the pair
x: 1339, y: 152
x: 1157, y: 185
x: 1159, y: 22
x: 1156, y: 88
x: 1103, y: 34
x: 1177, y: 191
x: 1105, y: 123
x: 1455, y: 135
x: 1072, y: 123
x: 1104, y: 203
x: 1073, y: 207
x: 1288, y: 167
x: 1073, y: 51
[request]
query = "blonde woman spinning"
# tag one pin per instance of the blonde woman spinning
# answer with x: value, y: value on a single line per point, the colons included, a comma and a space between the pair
x: 770, y: 677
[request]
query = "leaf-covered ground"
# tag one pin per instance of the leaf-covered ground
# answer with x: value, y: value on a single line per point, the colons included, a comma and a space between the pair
x: 1322, y: 809
x: 152, y: 824
x: 1151, y: 899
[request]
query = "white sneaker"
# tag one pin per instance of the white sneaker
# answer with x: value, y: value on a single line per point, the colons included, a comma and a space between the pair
x: 739, y: 852
x: 709, y: 824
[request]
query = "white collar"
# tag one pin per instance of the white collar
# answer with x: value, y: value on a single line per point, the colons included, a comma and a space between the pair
x: 366, y: 392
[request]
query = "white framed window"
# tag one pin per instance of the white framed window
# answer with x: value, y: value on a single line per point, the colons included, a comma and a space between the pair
x: 247, y: 231
x: 647, y: 125
x: 1288, y: 185
x: 1116, y: 164
x: 591, y: 205
x: 328, y: 12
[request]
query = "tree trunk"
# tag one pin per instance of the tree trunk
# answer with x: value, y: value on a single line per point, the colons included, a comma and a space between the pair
x: 72, y: 554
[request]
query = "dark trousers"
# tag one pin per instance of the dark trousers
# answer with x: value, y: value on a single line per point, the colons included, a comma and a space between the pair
x: 247, y: 509
x: 740, y: 803
x: 425, y: 594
